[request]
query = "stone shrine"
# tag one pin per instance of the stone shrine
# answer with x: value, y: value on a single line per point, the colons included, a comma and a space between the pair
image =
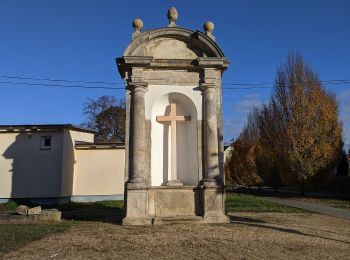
x: 174, y: 137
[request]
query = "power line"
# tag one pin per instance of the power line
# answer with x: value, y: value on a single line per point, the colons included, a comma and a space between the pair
x: 57, y: 85
x: 60, y: 80
x: 99, y: 87
x: 333, y: 81
x: 245, y: 86
x: 272, y: 86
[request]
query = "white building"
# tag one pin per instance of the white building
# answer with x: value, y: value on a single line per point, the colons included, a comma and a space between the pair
x: 58, y: 163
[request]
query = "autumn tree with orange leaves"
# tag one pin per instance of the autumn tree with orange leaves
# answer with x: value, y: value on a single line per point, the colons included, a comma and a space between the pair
x: 295, y: 139
x: 242, y: 162
x: 300, y: 125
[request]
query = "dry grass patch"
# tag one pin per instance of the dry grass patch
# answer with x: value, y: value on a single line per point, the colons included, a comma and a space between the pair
x: 250, y: 235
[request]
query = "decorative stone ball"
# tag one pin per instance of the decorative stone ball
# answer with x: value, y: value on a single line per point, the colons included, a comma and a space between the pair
x: 208, y: 27
x: 137, y: 24
x: 172, y: 14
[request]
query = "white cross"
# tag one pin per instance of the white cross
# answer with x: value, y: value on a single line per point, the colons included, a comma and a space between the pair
x: 173, y: 118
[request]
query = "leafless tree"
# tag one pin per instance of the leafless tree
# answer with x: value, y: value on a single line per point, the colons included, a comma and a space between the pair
x: 106, y: 115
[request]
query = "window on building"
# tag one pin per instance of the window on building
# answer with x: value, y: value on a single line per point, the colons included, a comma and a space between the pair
x: 45, y: 143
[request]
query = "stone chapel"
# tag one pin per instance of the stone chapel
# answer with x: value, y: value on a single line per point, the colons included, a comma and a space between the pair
x: 174, y: 136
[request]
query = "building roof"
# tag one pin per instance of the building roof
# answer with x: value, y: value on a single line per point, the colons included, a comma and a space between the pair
x: 88, y: 146
x: 43, y: 127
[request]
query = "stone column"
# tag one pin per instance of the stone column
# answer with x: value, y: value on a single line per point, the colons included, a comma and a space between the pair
x: 211, y: 160
x: 138, y: 177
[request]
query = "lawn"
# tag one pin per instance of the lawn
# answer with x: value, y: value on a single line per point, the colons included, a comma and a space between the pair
x: 14, y: 236
x: 236, y: 202
x: 74, y: 214
x: 250, y: 235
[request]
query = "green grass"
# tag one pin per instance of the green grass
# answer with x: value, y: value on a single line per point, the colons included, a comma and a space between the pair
x: 250, y: 203
x: 14, y: 236
x: 9, y: 207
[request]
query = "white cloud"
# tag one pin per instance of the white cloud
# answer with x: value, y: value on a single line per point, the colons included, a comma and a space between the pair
x: 232, y: 128
x: 234, y: 124
x: 247, y: 103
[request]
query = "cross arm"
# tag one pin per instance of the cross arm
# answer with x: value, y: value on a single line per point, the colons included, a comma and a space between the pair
x: 163, y: 118
x: 183, y: 118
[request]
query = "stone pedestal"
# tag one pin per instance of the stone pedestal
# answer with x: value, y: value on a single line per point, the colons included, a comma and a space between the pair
x: 214, y: 205
x: 137, y: 207
x: 165, y: 205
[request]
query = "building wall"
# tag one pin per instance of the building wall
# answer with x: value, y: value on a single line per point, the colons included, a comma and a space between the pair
x: 99, y: 172
x: 69, y: 158
x: 27, y: 171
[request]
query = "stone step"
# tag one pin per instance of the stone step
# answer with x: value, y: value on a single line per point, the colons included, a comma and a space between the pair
x: 181, y: 219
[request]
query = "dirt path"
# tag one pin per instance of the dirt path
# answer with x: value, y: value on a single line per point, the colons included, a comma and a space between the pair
x: 313, y: 207
x: 249, y: 236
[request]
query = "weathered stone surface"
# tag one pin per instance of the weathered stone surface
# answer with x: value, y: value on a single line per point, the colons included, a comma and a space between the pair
x: 159, y: 49
x: 46, y: 216
x: 171, y: 77
x: 175, y: 202
x: 175, y: 183
x: 214, y: 205
x: 22, y: 210
x: 136, y: 203
x: 49, y: 215
x: 34, y: 211
x: 179, y: 220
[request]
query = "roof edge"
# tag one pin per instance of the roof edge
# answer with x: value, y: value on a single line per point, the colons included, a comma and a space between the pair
x: 41, y: 127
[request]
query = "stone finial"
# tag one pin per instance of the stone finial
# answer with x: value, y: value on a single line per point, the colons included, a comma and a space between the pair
x: 209, y: 28
x: 138, y: 25
x: 172, y: 16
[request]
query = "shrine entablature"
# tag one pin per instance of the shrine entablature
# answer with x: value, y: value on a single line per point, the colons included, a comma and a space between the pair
x: 171, y: 48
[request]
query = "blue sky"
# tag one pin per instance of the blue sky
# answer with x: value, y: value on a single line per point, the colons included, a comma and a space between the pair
x: 78, y: 40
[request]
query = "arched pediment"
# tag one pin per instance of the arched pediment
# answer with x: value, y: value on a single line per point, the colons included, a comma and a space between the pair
x: 173, y: 43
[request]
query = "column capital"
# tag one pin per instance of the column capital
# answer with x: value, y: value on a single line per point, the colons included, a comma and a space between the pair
x: 208, y: 87
x: 137, y: 86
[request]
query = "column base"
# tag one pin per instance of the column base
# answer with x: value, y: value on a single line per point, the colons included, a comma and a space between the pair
x: 176, y: 183
x: 214, y: 204
x: 137, y: 221
x: 220, y: 218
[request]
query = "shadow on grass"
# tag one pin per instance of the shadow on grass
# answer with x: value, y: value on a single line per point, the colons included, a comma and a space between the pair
x: 14, y: 236
x: 237, y: 219
x: 102, y: 211
x: 291, y: 231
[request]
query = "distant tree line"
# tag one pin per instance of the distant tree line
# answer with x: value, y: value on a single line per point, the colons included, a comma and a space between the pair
x: 295, y: 139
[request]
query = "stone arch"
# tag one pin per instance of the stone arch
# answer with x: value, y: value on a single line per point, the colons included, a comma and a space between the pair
x: 187, y: 154
x: 197, y: 42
